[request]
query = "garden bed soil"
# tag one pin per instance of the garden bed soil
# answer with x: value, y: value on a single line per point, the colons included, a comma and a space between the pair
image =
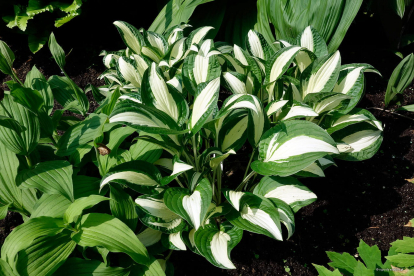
x: 369, y: 200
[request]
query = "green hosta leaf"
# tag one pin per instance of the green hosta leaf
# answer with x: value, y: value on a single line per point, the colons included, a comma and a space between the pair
x: 137, y: 175
x: 323, y: 271
x: 216, y: 245
x: 108, y: 106
x: 9, y: 193
x: 48, y: 205
x: 74, y: 211
x: 52, y: 177
x: 24, y: 234
x: 80, y: 152
x: 192, y: 207
x: 254, y: 213
x: 145, y: 151
x: 146, y: 118
x: 399, y: 7
x: 156, y: 215
x: 81, y: 267
x: 123, y: 207
x: 321, y: 75
x: 37, y: 81
x: 27, y: 97
x: 149, y: 237
x: 287, y: 189
x: 5, y: 269
x: 84, y: 186
x: 407, y: 108
x: 344, y: 262
x: 11, y: 124
x: 57, y: 51
x: 64, y: 93
x: 22, y: 143
x: 361, y: 141
x: 38, y: 39
x: 205, y: 101
x: 45, y: 255
x: 291, y: 147
x: 401, y: 78
x: 3, y: 211
x: 155, y: 93
x: 6, y: 58
x: 112, y: 234
x: 81, y: 134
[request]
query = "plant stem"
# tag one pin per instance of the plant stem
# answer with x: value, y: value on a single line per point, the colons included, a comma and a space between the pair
x: 195, y: 152
x: 29, y: 162
x: 188, y: 158
x: 212, y: 182
x: 16, y: 78
x: 392, y: 112
x: 8, y: 114
x: 169, y: 255
x: 245, y: 180
x: 248, y: 165
x: 179, y: 182
x: 219, y: 176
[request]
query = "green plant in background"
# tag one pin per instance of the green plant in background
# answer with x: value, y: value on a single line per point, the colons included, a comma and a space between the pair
x: 366, y: 262
x: 70, y: 227
x: 39, y: 30
x: 395, y: 16
x: 295, y: 106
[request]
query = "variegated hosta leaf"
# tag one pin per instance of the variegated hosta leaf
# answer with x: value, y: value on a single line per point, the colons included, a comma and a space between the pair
x: 286, y: 215
x: 257, y: 116
x: 177, y: 52
x: 156, y: 41
x: 287, y: 189
x: 200, y: 67
x: 364, y: 140
x: 138, y: 175
x: 236, y: 82
x: 275, y: 107
x: 215, y: 245
x: 313, y: 170
x: 142, y: 117
x: 233, y: 133
x: 156, y: 93
x: 326, y: 102
x: 277, y: 65
x: 292, y: 146
x: 156, y: 215
x: 127, y: 69
x: 321, y: 75
x: 130, y: 35
x: 175, y: 33
x: 197, y: 35
x: 232, y: 63
x: 173, y: 241
x: 257, y: 46
x: 205, y: 101
x: 351, y: 82
x: 299, y: 110
x: 339, y: 121
x: 192, y: 207
x: 313, y: 41
x: 254, y: 213
x: 174, y: 166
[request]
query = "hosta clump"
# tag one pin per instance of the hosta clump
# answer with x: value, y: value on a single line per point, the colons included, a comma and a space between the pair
x: 295, y: 106
x: 53, y: 181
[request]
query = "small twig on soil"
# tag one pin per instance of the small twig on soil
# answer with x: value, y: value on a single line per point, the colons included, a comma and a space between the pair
x: 392, y: 112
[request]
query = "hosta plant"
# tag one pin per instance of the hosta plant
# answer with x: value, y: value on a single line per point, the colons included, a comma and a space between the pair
x: 295, y: 107
x: 71, y: 225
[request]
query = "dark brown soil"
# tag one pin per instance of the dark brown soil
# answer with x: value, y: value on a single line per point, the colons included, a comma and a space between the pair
x: 369, y: 200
